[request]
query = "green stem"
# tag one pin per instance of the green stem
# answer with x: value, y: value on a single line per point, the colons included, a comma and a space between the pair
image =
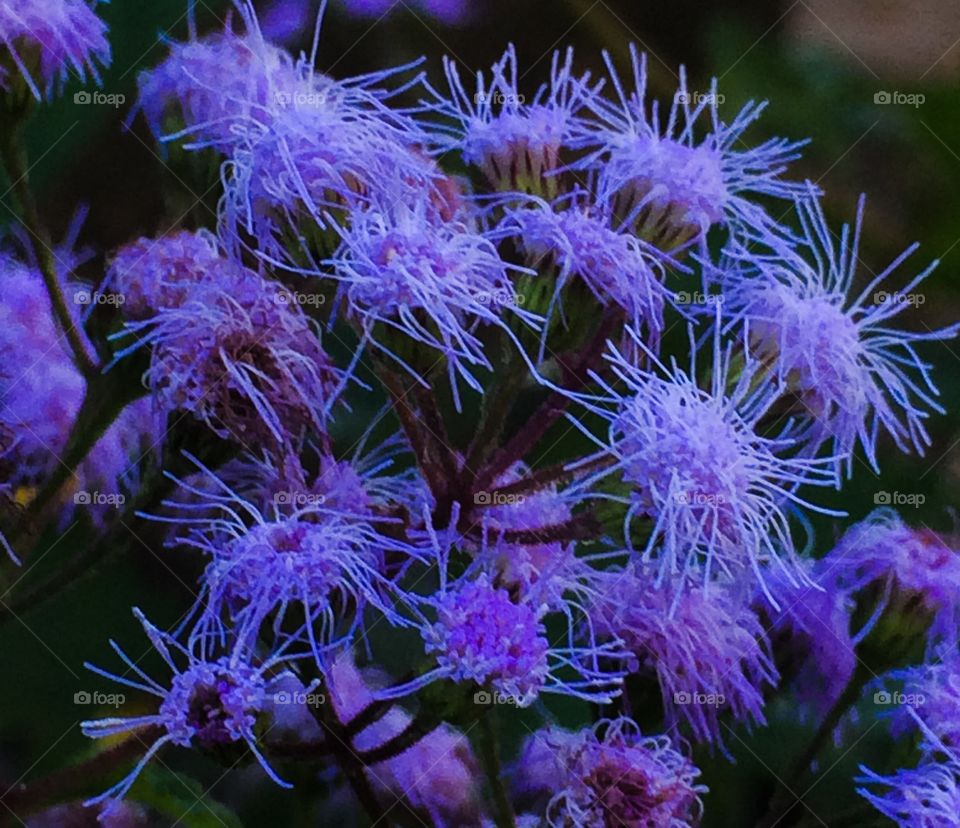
x: 490, y: 757
x: 17, y: 167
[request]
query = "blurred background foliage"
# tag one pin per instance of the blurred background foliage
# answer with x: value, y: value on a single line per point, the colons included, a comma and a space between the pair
x: 819, y: 63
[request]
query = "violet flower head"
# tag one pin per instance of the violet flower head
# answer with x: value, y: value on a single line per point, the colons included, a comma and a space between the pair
x: 705, y: 645
x: 717, y: 491
x: 932, y: 693
x: 616, y: 268
x: 659, y: 177
x: 854, y: 374
x: 923, y: 797
x: 517, y: 144
x: 254, y: 370
x: 612, y: 772
x: 47, y: 40
x: 212, y: 700
x: 906, y: 565
x: 415, y: 282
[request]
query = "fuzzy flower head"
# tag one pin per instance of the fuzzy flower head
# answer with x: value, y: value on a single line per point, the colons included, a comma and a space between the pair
x: 413, y: 281
x: 482, y: 635
x: 666, y: 182
x: 213, y: 700
x: 517, y: 144
x: 716, y: 490
x: 612, y: 774
x: 854, y: 374
x: 923, y: 797
x: 152, y: 274
x: 909, y: 567
x: 705, y: 645
x: 214, y: 83
x: 47, y: 40
x: 255, y: 368
x: 934, y: 692
x: 616, y: 268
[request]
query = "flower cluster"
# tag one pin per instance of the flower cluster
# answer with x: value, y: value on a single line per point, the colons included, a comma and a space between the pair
x: 412, y: 405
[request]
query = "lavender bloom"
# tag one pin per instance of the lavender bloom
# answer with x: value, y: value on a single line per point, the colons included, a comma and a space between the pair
x: 46, y: 40
x: 909, y: 565
x: 924, y: 797
x: 932, y: 692
x: 716, y: 490
x: 670, y: 185
x: 517, y: 144
x: 854, y: 374
x: 212, y: 701
x: 612, y: 772
x: 254, y: 369
x: 410, y: 279
x: 320, y: 565
x: 617, y: 268
x: 704, y: 643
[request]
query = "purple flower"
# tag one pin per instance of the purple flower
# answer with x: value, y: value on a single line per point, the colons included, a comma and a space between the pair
x: 931, y: 693
x: 517, y: 144
x: 612, y: 773
x: 924, y: 797
x: 411, y: 279
x: 705, y: 645
x: 617, y: 268
x: 254, y: 369
x: 670, y: 184
x: 49, y: 39
x: 853, y: 373
x: 716, y: 490
x: 908, y: 565
x: 212, y: 701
